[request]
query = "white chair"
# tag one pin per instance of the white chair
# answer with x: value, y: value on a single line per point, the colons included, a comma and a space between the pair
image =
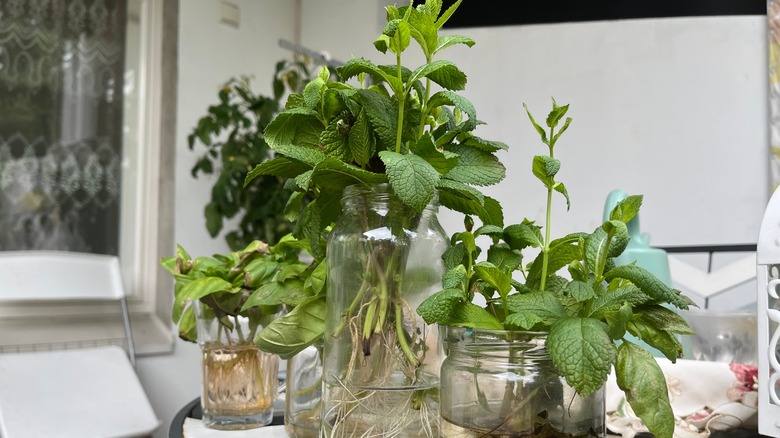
x: 89, y: 391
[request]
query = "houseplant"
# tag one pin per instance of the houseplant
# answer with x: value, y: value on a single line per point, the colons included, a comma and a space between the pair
x: 576, y: 322
x: 399, y: 142
x: 231, y: 132
x: 221, y: 303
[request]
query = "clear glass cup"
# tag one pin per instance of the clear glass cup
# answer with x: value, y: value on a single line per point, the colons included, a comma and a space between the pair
x: 303, y: 393
x: 723, y: 335
x: 239, y: 381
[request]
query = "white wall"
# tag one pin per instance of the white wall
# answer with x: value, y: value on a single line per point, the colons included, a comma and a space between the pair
x: 209, y: 54
x: 674, y: 109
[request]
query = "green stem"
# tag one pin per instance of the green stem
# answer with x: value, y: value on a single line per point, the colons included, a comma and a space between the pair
x: 238, y: 329
x: 546, y: 247
x: 401, y: 96
x: 399, y: 331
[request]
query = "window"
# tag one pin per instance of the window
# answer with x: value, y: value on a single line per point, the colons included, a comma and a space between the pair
x: 87, y: 93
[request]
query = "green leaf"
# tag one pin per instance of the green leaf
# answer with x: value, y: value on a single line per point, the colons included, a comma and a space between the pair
x: 401, y: 37
x: 650, y: 285
x: 213, y: 219
x: 290, y: 334
x: 505, y: 258
x: 413, y: 179
x: 383, y: 116
x: 613, y: 299
x: 476, y: 167
x: 596, y: 251
x: 442, y: 161
x: 544, y: 307
x: 449, y: 98
x: 618, y: 320
x: 545, y: 168
x: 188, y: 325
x: 274, y: 293
x: 536, y: 126
x: 454, y: 256
x: 560, y: 255
x: 279, y: 166
x: 450, y: 40
x: 440, y: 307
x: 626, y: 209
x: 259, y: 271
x: 334, y: 143
x: 489, y: 211
x: 560, y: 188
x: 333, y: 174
x: 583, y: 352
x: 580, y: 290
x: 317, y: 280
x: 355, y: 66
x: 462, y: 190
x: 556, y: 114
x: 619, y: 237
x: 444, y: 73
x: 471, y: 315
x: 362, y: 143
x: 643, y: 382
x: 455, y: 278
x: 294, y: 127
x: 664, y: 342
x: 493, y: 276
x: 520, y: 236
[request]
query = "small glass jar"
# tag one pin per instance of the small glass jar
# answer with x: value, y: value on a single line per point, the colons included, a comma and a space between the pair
x: 502, y: 383
x: 381, y: 360
x: 303, y: 393
x: 239, y: 380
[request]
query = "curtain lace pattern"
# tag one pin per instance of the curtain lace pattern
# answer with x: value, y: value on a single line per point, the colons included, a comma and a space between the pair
x: 61, y: 88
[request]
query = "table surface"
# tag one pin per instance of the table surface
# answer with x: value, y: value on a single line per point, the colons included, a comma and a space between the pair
x: 188, y: 419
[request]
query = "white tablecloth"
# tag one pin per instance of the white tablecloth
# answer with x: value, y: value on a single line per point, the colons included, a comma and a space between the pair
x: 194, y: 428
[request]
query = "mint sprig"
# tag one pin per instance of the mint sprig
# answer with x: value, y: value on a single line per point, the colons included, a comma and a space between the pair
x: 587, y: 311
x: 409, y: 128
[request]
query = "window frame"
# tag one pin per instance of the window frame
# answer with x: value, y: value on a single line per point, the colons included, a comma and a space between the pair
x: 147, y: 232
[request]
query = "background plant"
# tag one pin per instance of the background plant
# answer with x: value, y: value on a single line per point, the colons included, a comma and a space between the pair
x: 232, y: 134
x: 587, y: 312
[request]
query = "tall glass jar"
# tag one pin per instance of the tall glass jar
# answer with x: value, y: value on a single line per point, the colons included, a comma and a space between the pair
x: 381, y: 361
x: 498, y: 383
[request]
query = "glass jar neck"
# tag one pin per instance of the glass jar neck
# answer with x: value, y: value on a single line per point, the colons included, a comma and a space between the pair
x: 496, y: 344
x: 360, y: 197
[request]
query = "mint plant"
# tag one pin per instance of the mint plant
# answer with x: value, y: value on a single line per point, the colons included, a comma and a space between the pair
x: 587, y: 312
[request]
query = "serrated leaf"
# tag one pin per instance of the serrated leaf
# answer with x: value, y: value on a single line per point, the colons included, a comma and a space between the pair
x: 362, y: 143
x: 413, y: 179
x: 290, y: 334
x: 619, y: 237
x: 293, y: 133
x: 582, y: 351
x: 355, y: 66
x: 649, y: 284
x: 455, y: 278
x: 440, y: 307
x: 450, y: 40
x: 471, y: 315
x: 454, y: 256
x: 536, y: 126
x: 444, y: 73
x: 449, y: 98
x: 490, y: 230
x: 663, y: 341
x: 596, y: 251
x: 476, y: 167
x: 560, y: 255
x: 542, y: 304
x: 626, y: 209
x: 443, y: 162
x: 489, y: 273
x: 643, y: 382
x: 617, y: 321
x: 460, y: 189
x: 334, y: 175
x: 491, y: 146
x: 334, y: 144
x: 382, y: 114
x: 613, y: 299
x: 560, y: 188
x: 401, y: 37
x: 505, y: 258
x: 280, y: 166
x: 489, y: 211
x: 580, y: 290
x: 545, y: 168
x: 520, y: 236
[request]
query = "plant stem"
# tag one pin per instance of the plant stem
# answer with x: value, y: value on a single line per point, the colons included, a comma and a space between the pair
x: 546, y: 247
x: 399, y: 330
x: 401, y: 96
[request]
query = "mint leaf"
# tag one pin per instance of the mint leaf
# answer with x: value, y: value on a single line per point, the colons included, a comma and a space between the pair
x: 362, y: 143
x: 334, y: 143
x: 580, y: 290
x: 460, y: 189
x: 444, y: 73
x: 619, y: 236
x: 618, y: 321
x: 536, y: 126
x: 596, y: 251
x: 643, y: 382
x: 355, y: 66
x: 505, y: 258
x: 559, y: 256
x: 279, y: 166
x: 455, y: 278
x: 450, y: 40
x: 471, y: 315
x: 545, y: 168
x: 626, y: 209
x: 454, y: 256
x: 542, y: 304
x: 650, y: 285
x: 560, y: 188
x: 493, y: 276
x: 297, y: 126
x: 582, y: 351
x: 437, y: 308
x: 448, y: 98
x: 473, y: 141
x: 442, y: 161
x: 665, y: 342
x: 382, y: 115
x: 520, y: 236
x: 489, y: 211
x: 476, y: 167
x: 335, y: 175
x: 613, y: 299
x: 413, y: 180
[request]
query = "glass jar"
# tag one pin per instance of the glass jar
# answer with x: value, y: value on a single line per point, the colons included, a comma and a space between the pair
x: 303, y: 393
x: 502, y: 383
x: 239, y: 380
x: 381, y: 361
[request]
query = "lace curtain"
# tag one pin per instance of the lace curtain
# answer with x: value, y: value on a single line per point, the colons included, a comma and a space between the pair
x: 61, y: 88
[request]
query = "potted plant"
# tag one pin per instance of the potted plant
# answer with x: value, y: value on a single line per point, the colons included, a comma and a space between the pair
x: 231, y: 131
x: 222, y: 302
x: 531, y: 344
x: 370, y: 157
